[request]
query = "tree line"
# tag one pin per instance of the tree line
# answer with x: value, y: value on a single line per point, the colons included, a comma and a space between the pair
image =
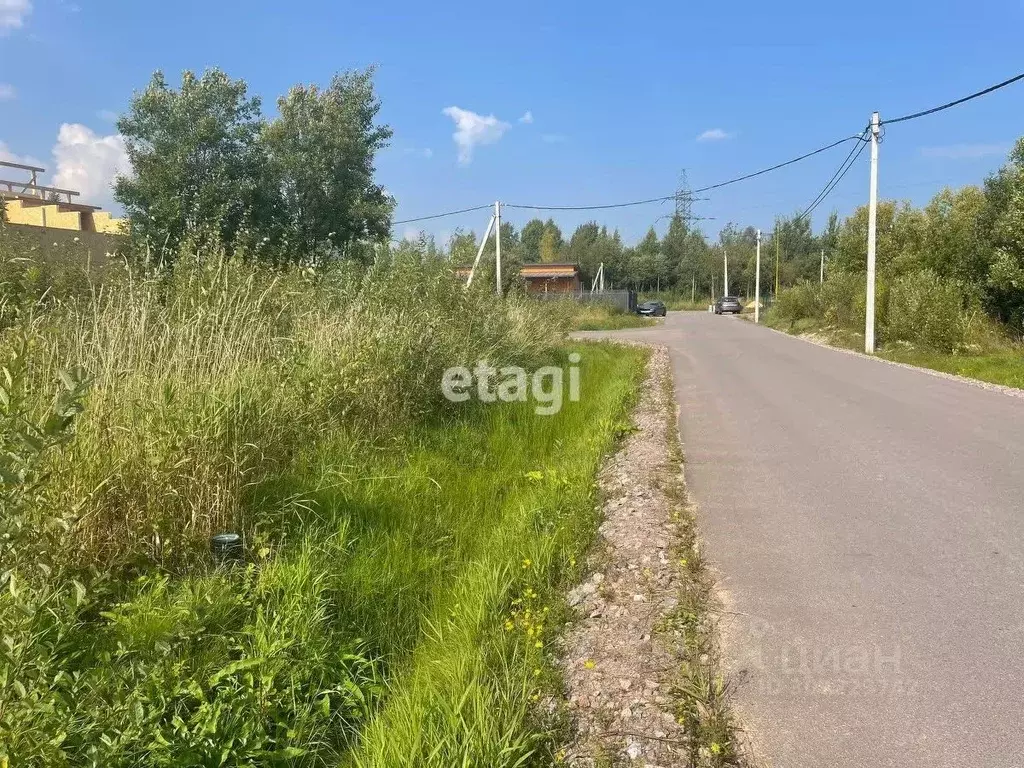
x: 300, y: 188
x: 972, y: 237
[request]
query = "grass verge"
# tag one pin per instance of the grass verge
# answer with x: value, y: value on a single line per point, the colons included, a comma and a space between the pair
x: 702, y: 693
x: 392, y: 612
x: 677, y: 302
x: 1002, y: 366
x: 602, y: 317
x: 1005, y: 368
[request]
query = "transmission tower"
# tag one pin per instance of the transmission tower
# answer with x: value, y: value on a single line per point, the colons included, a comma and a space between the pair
x: 684, y: 199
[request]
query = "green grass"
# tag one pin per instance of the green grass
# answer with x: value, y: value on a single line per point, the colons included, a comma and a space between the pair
x: 1003, y: 364
x: 401, y: 550
x: 1006, y: 368
x: 601, y: 317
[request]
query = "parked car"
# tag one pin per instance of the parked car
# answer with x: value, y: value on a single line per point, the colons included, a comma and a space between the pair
x: 728, y: 304
x: 651, y: 309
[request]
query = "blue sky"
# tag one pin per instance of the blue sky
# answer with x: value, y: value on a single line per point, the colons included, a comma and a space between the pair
x: 618, y: 93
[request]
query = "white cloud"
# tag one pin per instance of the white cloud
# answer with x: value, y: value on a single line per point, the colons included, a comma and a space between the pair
x: 88, y: 163
x: 965, y: 151
x: 714, y: 134
x: 473, y: 130
x: 428, y: 153
x: 411, y: 234
x: 107, y: 115
x: 13, y: 13
x: 553, y: 138
x: 10, y: 157
x: 527, y: 118
x: 7, y: 92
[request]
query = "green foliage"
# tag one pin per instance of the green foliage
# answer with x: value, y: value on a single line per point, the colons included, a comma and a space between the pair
x: 551, y: 243
x: 321, y: 149
x: 533, y: 233
x: 899, y: 244
x: 925, y: 309
x: 209, y: 168
x: 386, y: 529
x: 197, y: 162
x: 801, y: 302
x: 843, y: 301
x: 1005, y: 196
x: 597, y: 316
x: 999, y: 366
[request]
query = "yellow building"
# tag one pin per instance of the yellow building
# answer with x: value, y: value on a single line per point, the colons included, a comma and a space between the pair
x: 30, y: 204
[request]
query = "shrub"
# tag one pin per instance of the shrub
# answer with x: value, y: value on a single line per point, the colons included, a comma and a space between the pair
x: 926, y: 309
x: 801, y: 302
x: 843, y: 301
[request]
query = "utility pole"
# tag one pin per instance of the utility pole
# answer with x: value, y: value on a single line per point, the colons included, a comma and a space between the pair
x: 497, y: 243
x: 822, y: 277
x: 757, y: 281
x: 778, y: 237
x: 869, y: 318
x: 693, y: 289
x: 480, y: 251
x: 725, y: 272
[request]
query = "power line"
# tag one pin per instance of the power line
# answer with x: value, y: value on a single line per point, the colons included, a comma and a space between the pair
x: 442, y: 215
x: 780, y: 165
x: 837, y: 177
x: 591, y: 207
x: 708, y: 188
x: 933, y: 110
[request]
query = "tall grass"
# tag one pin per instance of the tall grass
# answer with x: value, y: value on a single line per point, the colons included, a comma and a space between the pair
x: 400, y: 549
x: 210, y: 381
x: 598, y: 316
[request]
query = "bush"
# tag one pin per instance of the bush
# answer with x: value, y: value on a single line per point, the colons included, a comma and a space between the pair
x: 843, y: 301
x: 925, y: 309
x: 801, y: 302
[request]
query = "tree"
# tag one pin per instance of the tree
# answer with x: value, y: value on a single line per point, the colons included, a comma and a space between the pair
x: 675, y: 246
x: 582, y: 249
x: 197, y: 161
x: 530, y: 241
x: 609, y: 251
x: 462, y: 247
x: 741, y: 246
x: 645, y: 264
x: 322, y: 150
x: 207, y: 165
x: 799, y: 251
x: 956, y: 243
x: 1005, y: 211
x: 900, y: 232
x: 551, y: 242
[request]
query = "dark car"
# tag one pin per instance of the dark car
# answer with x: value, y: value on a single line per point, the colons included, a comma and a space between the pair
x: 728, y: 304
x: 651, y: 309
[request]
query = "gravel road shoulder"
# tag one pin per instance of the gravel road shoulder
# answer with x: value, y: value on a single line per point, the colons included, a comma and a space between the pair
x: 640, y: 663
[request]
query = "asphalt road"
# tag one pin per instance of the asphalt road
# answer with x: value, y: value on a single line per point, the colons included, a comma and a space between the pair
x: 867, y: 524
